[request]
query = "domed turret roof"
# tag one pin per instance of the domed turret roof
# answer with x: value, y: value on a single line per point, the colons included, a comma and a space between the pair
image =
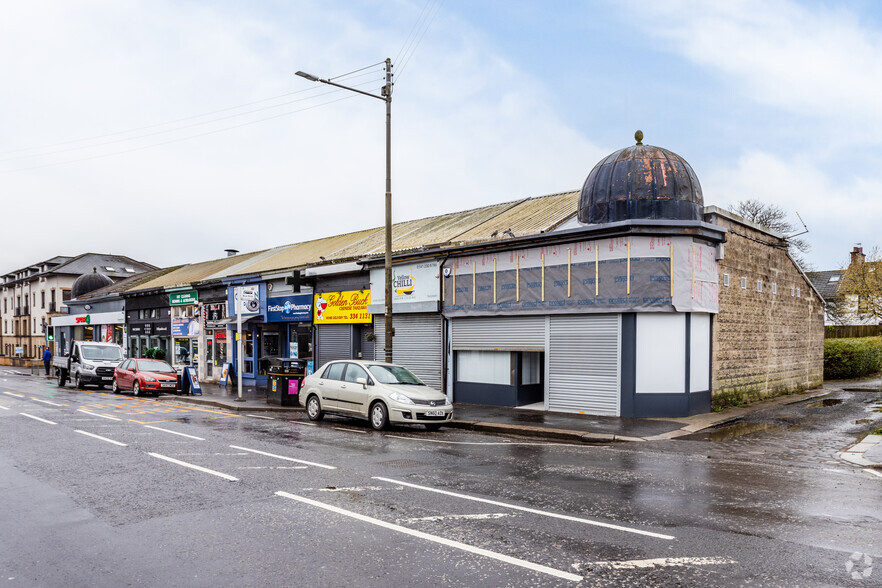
x: 89, y: 283
x: 641, y: 182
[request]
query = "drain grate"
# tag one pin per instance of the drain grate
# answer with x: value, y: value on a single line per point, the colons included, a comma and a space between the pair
x: 401, y: 463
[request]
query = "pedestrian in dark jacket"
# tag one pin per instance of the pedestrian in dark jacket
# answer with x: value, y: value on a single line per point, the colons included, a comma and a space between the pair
x: 47, y: 359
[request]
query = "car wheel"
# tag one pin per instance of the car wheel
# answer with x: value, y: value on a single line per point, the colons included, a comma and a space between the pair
x: 136, y: 388
x: 78, y: 382
x: 314, y: 409
x: 433, y: 427
x: 114, y: 387
x: 379, y: 416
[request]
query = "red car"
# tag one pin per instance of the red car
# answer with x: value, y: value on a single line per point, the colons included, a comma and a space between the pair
x: 145, y: 375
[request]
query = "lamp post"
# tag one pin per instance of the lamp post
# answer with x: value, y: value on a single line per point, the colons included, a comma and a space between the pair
x: 386, y: 96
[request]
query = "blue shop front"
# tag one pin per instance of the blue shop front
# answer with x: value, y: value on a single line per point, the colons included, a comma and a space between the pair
x: 281, y: 329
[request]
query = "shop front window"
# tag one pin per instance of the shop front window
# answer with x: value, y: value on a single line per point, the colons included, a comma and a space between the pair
x: 182, y: 352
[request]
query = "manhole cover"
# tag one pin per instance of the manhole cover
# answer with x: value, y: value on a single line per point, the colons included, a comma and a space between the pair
x: 401, y: 463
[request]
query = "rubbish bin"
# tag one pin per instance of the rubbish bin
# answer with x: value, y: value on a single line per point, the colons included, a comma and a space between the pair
x: 284, y: 381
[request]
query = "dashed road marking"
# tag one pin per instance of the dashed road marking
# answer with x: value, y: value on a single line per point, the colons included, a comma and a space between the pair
x: 195, y: 467
x: 45, y: 401
x: 318, y: 465
x: 874, y: 472
x: 4, y: 407
x: 532, y: 510
x: 36, y: 418
x: 435, y: 539
x: 103, y: 416
x: 350, y: 430
x: 661, y: 562
x: 257, y: 416
x: 121, y: 444
x: 478, y: 517
x: 175, y: 433
x: 14, y: 394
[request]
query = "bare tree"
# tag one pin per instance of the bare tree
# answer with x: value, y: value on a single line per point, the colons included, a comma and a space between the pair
x: 774, y: 217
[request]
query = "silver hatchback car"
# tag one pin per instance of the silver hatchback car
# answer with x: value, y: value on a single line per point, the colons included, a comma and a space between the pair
x: 377, y: 391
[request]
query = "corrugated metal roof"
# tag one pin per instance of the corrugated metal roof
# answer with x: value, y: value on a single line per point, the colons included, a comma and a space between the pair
x: 531, y: 216
x: 525, y: 217
x: 197, y: 272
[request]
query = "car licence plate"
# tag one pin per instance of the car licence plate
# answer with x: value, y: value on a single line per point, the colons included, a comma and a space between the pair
x: 107, y: 378
x: 169, y: 385
x: 435, y: 413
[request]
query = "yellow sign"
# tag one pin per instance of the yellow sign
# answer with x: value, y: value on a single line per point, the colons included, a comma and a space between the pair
x: 342, y: 307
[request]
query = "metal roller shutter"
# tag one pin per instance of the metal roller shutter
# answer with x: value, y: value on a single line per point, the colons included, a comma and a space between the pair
x: 522, y: 333
x: 584, y: 364
x: 334, y: 342
x: 417, y: 344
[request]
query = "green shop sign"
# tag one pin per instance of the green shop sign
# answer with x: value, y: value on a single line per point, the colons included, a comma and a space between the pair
x: 182, y: 298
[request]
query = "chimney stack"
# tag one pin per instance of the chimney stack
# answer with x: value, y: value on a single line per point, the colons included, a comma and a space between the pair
x: 231, y: 252
x: 857, y: 254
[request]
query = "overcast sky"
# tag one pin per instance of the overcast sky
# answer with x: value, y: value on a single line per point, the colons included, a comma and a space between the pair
x: 169, y: 131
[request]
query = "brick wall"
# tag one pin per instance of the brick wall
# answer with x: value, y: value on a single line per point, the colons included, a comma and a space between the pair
x: 764, y: 344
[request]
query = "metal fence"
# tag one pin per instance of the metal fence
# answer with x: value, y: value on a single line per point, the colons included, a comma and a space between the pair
x: 852, y: 331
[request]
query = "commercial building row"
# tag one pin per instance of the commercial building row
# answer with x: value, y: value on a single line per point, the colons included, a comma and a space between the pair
x: 627, y: 298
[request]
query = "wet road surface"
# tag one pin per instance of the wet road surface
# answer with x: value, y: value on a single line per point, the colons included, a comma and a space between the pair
x: 104, y: 490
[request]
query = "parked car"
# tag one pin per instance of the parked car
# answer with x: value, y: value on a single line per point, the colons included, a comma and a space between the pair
x: 145, y: 375
x: 379, y: 392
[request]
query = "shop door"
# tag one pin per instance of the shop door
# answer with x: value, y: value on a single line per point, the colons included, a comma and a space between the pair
x: 584, y: 360
x: 209, y: 357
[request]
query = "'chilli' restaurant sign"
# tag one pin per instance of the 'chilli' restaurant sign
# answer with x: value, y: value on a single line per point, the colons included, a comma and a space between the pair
x: 342, y: 307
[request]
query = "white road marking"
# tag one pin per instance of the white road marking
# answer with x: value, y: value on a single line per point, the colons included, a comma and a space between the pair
x: 478, y: 442
x: 30, y: 416
x: 195, y: 467
x: 103, y: 416
x: 45, y: 401
x: 662, y: 562
x: 874, y: 472
x: 175, y: 432
x: 4, y: 407
x: 448, y: 542
x: 354, y: 489
x: 255, y: 416
x: 273, y: 468
x: 302, y: 423
x: 532, y: 510
x: 318, y: 465
x: 102, y: 438
x: 350, y: 430
x: 479, y: 517
x: 14, y: 394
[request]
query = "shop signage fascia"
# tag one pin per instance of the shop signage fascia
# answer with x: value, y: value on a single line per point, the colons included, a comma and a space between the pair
x: 183, y: 298
x: 416, y: 282
x: 98, y: 318
x: 295, y: 308
x: 348, y: 307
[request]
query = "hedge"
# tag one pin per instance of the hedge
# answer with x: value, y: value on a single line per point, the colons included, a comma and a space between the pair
x: 852, y: 358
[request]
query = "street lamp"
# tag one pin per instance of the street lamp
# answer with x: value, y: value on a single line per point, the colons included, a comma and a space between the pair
x: 386, y: 96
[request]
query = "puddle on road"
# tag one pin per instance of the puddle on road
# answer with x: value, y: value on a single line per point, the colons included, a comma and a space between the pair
x: 826, y: 402
x: 863, y: 421
x: 732, y: 432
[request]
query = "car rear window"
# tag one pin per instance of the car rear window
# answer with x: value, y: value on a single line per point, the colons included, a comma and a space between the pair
x: 334, y: 371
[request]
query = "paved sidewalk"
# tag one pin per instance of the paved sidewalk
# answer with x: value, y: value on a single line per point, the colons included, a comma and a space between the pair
x: 525, y: 422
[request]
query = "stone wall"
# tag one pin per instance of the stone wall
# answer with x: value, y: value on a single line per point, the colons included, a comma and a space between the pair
x: 764, y: 343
